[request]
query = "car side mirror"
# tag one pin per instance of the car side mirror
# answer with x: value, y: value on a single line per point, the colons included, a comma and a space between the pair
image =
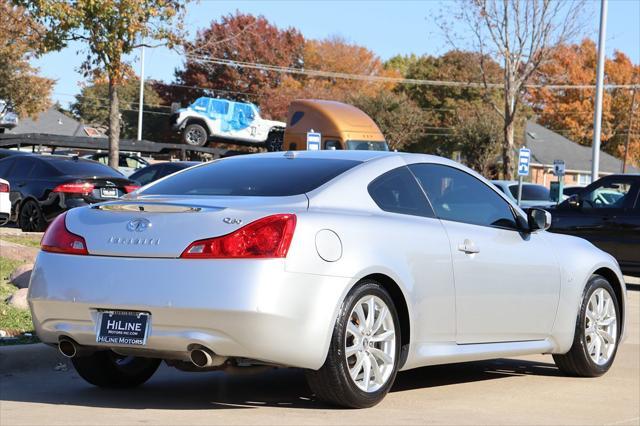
x: 538, y: 219
x: 574, y: 201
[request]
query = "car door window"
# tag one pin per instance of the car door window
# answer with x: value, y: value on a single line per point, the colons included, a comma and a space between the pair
x: 457, y: 196
x: 398, y: 192
x: 611, y: 194
x: 145, y: 176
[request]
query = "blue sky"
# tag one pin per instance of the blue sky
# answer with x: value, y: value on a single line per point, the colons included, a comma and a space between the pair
x: 386, y: 27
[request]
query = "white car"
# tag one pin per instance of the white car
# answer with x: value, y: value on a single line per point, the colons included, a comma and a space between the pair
x: 352, y: 265
x: 5, y: 202
x: 226, y: 121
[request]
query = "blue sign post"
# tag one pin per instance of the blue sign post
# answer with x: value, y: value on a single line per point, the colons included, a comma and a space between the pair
x: 524, y: 158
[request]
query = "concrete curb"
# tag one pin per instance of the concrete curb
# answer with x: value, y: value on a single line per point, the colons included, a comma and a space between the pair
x: 25, y: 358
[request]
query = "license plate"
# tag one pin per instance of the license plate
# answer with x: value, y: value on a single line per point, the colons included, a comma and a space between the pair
x: 109, y: 192
x: 122, y: 327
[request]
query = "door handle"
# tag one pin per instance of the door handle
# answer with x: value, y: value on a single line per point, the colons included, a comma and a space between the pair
x: 468, y: 247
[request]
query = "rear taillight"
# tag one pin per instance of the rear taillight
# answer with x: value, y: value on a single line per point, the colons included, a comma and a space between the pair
x: 75, y: 188
x: 4, y: 187
x: 58, y: 239
x: 130, y: 188
x: 268, y: 237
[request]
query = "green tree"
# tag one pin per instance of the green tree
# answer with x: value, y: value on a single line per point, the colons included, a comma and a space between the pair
x: 92, y: 106
x: 477, y: 135
x: 110, y: 30
x: 20, y: 86
x: 401, y: 121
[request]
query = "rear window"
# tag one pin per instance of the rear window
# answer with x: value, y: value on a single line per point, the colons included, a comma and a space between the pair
x: 81, y: 167
x: 265, y: 177
x: 531, y: 192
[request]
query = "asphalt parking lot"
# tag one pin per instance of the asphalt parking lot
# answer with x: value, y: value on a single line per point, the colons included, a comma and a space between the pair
x: 37, y: 386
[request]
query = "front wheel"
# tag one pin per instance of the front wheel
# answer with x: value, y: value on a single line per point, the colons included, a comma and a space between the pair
x: 365, y: 348
x: 274, y: 141
x: 194, y: 135
x: 597, y: 332
x: 110, y: 370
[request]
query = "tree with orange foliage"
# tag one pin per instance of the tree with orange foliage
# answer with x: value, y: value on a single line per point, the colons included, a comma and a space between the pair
x: 570, y: 111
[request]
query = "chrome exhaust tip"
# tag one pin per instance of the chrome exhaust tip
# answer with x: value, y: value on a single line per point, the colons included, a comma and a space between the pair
x: 204, y: 358
x: 67, y: 348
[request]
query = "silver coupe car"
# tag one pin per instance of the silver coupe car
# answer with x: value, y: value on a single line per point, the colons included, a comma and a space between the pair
x: 352, y: 265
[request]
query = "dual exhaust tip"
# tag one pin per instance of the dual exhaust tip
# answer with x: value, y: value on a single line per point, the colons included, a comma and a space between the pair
x: 200, y: 357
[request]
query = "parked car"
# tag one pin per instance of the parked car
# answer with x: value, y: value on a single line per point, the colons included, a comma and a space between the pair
x: 533, y: 195
x: 43, y: 186
x: 128, y: 163
x: 607, y: 213
x: 159, y: 170
x: 5, y: 203
x: 351, y: 265
x: 221, y: 120
x: 568, y: 191
x: 8, y: 118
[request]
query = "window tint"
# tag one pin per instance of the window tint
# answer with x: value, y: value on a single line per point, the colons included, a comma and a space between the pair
x: 42, y: 170
x: 81, y: 167
x: 458, y: 196
x: 297, y: 116
x: 610, y: 194
x: 398, y: 192
x: 531, y: 192
x: 145, y: 175
x: 253, y: 176
x: 22, y: 168
x: 5, y: 167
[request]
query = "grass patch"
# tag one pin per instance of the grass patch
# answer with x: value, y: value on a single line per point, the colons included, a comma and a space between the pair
x: 25, y: 240
x: 12, y: 320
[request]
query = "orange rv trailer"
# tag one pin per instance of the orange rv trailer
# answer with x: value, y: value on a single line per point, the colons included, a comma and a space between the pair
x: 341, y: 126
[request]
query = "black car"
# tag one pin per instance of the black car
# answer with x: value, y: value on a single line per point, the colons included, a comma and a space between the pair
x: 607, y: 213
x: 159, y: 170
x: 43, y: 186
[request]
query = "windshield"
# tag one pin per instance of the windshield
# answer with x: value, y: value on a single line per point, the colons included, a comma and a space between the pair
x: 531, y: 192
x: 253, y: 176
x: 367, y: 145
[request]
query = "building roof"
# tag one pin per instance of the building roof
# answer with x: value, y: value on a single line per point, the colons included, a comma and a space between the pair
x: 546, y: 146
x: 53, y: 122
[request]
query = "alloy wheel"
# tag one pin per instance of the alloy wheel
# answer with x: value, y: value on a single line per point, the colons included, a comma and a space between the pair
x: 194, y: 137
x: 601, y: 326
x: 30, y: 217
x: 370, y: 343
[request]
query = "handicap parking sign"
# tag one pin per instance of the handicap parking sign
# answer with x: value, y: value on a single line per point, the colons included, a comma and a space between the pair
x: 524, y: 157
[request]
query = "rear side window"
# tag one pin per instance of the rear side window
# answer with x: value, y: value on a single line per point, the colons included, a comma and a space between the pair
x: 253, y: 176
x: 531, y: 192
x: 398, y: 192
x: 80, y: 167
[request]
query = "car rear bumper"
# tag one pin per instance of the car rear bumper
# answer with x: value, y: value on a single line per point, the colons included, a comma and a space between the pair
x: 236, y: 308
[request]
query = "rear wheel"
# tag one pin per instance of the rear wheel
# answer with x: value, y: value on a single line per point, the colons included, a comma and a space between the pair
x: 30, y: 217
x: 365, y: 348
x: 597, y: 332
x: 110, y: 370
x: 194, y: 135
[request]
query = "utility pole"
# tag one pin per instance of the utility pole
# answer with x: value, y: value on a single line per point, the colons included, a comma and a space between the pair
x: 626, y: 143
x: 141, y: 93
x: 597, y: 116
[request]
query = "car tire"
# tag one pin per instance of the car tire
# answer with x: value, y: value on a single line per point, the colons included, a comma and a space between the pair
x: 591, y: 355
x: 333, y: 382
x: 109, y: 370
x: 30, y: 217
x: 275, y: 140
x: 195, y: 135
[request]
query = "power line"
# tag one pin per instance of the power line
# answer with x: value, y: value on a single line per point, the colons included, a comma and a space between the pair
x: 396, y: 80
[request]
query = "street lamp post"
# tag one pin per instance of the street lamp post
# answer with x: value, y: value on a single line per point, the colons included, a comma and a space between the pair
x: 597, y: 116
x: 141, y: 93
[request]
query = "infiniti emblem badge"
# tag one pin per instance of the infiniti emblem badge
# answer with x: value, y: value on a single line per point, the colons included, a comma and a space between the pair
x: 138, y: 225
